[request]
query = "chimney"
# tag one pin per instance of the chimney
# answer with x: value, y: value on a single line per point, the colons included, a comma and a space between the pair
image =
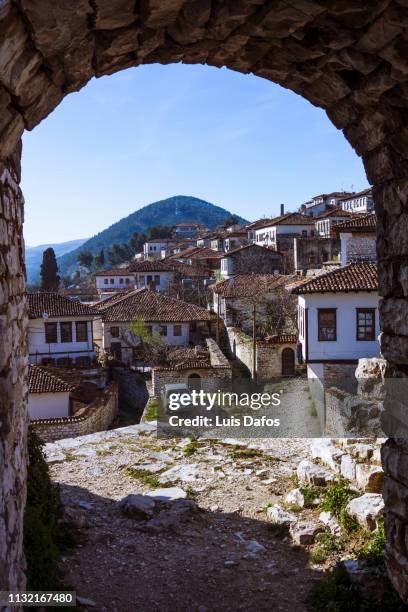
x: 282, y: 212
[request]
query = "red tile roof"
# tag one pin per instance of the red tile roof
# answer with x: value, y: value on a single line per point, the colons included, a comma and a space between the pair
x: 151, y: 306
x: 115, y: 272
x: 288, y: 219
x: 335, y: 212
x: 56, y: 305
x: 254, y: 247
x: 352, y: 196
x: 251, y: 285
x: 361, y: 223
x: 42, y: 381
x: 353, y: 277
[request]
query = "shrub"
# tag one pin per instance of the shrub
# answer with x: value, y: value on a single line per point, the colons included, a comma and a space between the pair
x: 374, y: 551
x: 42, y: 529
x: 337, y: 497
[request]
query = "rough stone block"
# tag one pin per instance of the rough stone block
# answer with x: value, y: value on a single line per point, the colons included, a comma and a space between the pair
x: 367, y: 509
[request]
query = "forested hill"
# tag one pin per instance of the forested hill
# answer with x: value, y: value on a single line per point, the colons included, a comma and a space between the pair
x: 177, y: 209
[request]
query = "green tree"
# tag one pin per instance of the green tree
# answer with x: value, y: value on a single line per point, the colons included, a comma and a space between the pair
x: 155, y: 349
x: 85, y: 258
x: 49, y: 272
x: 99, y: 260
x: 159, y: 231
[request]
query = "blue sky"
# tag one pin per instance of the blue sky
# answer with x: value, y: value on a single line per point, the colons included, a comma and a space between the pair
x: 148, y: 133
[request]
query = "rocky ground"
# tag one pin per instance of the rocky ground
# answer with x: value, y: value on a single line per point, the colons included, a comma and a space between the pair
x: 217, y: 552
x: 207, y: 525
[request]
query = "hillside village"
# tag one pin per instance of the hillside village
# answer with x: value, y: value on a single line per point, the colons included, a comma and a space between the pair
x: 293, y: 295
x: 288, y: 304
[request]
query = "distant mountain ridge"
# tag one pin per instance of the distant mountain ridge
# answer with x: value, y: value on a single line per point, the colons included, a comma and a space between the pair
x: 177, y: 209
x: 33, y: 255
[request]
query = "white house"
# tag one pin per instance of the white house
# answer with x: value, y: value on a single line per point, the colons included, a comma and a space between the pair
x: 358, y: 238
x: 155, y: 274
x: 189, y: 229
x: 283, y: 228
x: 109, y: 281
x: 319, y: 204
x: 326, y: 221
x: 152, y: 248
x: 59, y: 330
x: 361, y: 202
x: 48, y: 395
x: 338, y: 318
x: 176, y: 321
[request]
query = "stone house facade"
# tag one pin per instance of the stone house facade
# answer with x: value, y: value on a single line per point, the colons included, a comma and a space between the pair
x: 251, y: 258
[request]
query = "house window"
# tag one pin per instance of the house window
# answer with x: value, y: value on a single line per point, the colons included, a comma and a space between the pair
x: 149, y: 279
x: 114, y: 332
x: 157, y: 279
x: 127, y: 281
x: 121, y: 281
x: 82, y: 331
x: 51, y: 336
x: 326, y: 321
x: 112, y: 280
x: 163, y: 330
x: 176, y: 330
x: 365, y: 323
x: 105, y: 280
x: 66, y: 331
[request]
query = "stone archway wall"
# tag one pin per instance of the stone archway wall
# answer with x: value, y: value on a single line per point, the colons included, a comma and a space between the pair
x: 346, y: 56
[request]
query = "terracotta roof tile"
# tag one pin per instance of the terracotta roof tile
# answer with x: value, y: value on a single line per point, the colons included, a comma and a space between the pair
x: 288, y: 219
x: 353, y: 277
x: 253, y: 247
x: 42, y: 381
x: 151, y: 306
x: 56, y: 305
x: 362, y: 223
x: 249, y: 285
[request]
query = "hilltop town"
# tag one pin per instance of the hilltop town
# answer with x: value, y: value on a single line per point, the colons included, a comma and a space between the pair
x: 281, y: 297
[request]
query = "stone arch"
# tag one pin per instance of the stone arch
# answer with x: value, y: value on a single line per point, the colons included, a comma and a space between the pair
x: 347, y: 56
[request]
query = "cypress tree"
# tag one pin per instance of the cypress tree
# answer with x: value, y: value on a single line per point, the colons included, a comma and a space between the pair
x: 49, y: 272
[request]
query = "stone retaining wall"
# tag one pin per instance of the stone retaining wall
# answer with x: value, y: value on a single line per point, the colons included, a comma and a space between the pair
x: 97, y: 416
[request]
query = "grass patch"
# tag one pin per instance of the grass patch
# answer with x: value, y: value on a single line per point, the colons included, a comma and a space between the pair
x: 310, y: 494
x: 191, y: 448
x: 103, y: 452
x: 191, y: 493
x: 328, y: 544
x: 70, y: 456
x: 151, y: 413
x: 245, y: 453
x: 294, y: 480
x: 147, y: 478
x: 313, y: 409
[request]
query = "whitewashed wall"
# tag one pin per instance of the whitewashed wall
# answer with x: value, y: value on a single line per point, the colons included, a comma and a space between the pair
x: 122, y: 281
x: 346, y: 346
x: 38, y: 348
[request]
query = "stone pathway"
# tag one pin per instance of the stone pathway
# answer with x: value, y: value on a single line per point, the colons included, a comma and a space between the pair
x: 220, y: 555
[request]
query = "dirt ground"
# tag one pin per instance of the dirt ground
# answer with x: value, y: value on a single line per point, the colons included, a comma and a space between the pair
x: 221, y: 556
